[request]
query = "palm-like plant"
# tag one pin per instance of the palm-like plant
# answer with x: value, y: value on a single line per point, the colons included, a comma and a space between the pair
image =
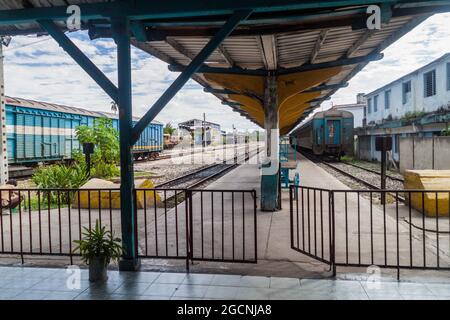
x: 99, y: 243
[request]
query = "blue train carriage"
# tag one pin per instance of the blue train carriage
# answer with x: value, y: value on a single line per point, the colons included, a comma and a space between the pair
x: 151, y: 141
x: 327, y: 133
x: 45, y: 132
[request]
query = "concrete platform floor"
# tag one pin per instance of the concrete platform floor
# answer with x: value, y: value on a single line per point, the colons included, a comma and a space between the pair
x: 22, y: 283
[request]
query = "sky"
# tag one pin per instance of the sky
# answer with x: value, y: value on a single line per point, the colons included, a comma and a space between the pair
x: 37, y: 68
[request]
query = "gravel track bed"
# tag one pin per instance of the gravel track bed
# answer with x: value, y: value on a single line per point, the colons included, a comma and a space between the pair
x: 369, y: 177
x: 377, y: 167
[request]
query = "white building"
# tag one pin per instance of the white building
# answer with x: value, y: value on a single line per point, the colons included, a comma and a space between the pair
x: 358, y: 109
x: 424, y: 90
x: 417, y: 104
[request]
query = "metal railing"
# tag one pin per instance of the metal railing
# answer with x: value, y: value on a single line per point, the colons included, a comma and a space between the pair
x: 46, y: 222
x: 203, y: 225
x: 354, y: 228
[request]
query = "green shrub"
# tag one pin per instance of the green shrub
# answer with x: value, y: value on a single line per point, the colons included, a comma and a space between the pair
x: 106, y: 156
x: 59, y: 176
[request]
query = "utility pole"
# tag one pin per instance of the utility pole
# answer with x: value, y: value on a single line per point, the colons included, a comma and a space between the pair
x: 204, y: 130
x: 235, y: 143
x: 4, y: 175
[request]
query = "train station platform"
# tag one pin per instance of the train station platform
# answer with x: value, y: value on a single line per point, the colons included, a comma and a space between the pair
x: 277, y: 258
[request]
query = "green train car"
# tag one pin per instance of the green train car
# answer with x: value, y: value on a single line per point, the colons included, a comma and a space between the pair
x: 327, y: 133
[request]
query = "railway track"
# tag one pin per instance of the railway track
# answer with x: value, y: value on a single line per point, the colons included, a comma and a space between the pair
x: 199, y: 177
x: 349, y: 174
x: 374, y: 171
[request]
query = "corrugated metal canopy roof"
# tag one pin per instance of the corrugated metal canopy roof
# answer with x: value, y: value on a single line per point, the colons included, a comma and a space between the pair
x: 277, y: 40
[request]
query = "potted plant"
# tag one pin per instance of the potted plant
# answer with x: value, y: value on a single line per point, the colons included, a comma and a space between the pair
x: 98, y: 248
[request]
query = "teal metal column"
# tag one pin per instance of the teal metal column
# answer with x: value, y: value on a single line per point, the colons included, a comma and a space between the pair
x: 129, y: 260
x: 270, y: 173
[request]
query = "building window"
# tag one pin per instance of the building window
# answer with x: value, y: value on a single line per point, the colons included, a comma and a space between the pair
x: 369, y: 105
x: 406, y: 92
x: 448, y: 76
x: 387, y: 99
x: 429, y: 83
x: 375, y: 103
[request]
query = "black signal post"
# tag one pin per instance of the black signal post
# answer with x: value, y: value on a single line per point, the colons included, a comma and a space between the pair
x: 383, y: 144
x: 88, y: 149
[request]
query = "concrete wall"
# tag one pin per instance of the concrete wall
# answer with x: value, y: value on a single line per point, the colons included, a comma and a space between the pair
x: 424, y: 153
x: 442, y: 153
x: 366, y: 148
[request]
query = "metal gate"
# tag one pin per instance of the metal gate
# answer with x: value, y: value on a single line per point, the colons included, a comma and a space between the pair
x: 311, y: 223
x: 197, y: 225
x: 355, y: 228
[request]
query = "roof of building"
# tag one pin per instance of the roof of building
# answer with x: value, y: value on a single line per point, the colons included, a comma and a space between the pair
x: 408, y: 75
x: 285, y: 36
x: 348, y: 106
x: 192, y: 121
x: 28, y: 103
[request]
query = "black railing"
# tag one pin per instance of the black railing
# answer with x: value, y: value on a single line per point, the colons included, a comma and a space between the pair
x: 410, y: 230
x: 204, y: 225
x: 46, y: 222
x: 311, y: 222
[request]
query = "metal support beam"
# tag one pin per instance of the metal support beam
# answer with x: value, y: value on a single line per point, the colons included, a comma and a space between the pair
x: 331, y: 64
x: 234, y: 70
x: 127, y: 210
x: 4, y: 173
x: 355, y: 47
x: 268, y: 48
x: 219, y: 91
x: 327, y: 87
x: 144, y: 9
x: 319, y: 43
x: 179, y: 48
x: 225, y: 54
x: 139, y: 31
x: 83, y: 61
x: 303, y: 68
x: 231, y: 104
x: 188, y: 72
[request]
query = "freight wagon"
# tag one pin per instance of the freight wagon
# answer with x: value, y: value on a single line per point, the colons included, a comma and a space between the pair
x: 45, y: 132
x: 327, y: 133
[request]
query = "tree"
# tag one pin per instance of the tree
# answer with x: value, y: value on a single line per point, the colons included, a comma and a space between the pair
x: 168, y: 129
x: 446, y: 132
x: 106, y: 155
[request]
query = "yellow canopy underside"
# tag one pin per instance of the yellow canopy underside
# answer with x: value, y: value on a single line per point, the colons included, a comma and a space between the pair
x: 292, y: 100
